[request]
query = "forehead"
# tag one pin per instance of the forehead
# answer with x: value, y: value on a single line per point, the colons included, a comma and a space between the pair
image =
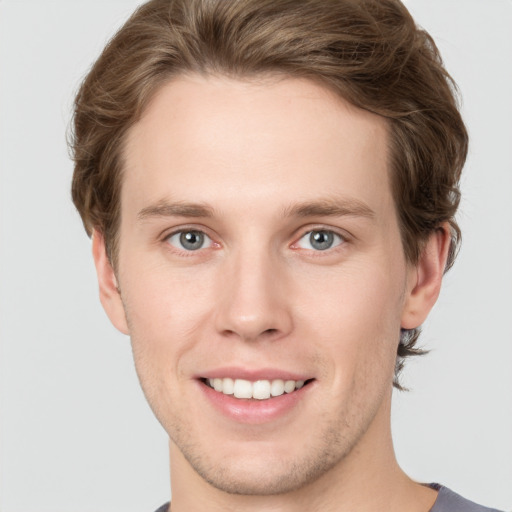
x: 215, y: 139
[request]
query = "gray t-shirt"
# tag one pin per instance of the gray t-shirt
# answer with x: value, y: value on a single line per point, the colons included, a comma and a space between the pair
x: 447, y: 501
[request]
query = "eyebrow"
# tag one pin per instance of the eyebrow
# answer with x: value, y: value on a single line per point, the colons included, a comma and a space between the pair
x: 330, y: 208
x: 322, y: 208
x: 166, y: 209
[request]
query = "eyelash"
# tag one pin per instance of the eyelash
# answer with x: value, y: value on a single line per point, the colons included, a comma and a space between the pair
x: 333, y: 234
x: 183, y: 231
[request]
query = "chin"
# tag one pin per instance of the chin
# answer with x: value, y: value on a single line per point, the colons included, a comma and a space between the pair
x: 266, y: 480
x: 261, y: 474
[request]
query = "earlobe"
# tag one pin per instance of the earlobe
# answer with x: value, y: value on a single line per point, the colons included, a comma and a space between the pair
x: 110, y: 295
x: 425, y: 278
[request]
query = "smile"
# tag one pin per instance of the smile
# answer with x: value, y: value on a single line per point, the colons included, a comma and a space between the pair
x: 259, y: 389
x: 255, y: 397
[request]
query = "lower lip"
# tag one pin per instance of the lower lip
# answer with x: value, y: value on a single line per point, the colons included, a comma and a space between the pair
x: 253, y: 411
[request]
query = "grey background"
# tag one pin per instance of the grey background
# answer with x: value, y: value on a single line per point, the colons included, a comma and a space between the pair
x: 75, y: 432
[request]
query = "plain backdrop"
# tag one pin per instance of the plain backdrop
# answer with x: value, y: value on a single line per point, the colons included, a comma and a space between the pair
x: 75, y: 432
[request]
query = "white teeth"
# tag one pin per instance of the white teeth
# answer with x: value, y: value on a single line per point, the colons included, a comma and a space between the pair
x: 228, y: 386
x: 289, y: 386
x: 260, y: 389
x: 277, y: 387
x: 242, y: 389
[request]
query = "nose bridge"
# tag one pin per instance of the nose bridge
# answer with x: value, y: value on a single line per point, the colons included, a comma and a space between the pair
x: 253, y: 302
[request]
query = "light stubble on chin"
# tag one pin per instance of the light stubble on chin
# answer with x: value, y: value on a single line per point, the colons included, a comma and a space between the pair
x: 275, y: 476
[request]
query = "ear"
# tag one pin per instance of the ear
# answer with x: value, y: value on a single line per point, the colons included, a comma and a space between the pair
x: 424, y: 280
x: 110, y: 295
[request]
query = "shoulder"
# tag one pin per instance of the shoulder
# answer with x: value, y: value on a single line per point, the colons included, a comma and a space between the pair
x: 163, y: 508
x: 449, y: 501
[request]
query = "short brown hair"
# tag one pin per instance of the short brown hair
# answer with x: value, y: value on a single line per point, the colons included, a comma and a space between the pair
x: 369, y: 51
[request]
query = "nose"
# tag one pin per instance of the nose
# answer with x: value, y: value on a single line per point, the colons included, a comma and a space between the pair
x: 253, y: 302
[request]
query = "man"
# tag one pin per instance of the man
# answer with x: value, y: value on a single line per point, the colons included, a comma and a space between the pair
x: 271, y: 190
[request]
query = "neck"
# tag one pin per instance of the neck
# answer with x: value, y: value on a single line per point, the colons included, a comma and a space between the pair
x: 368, y: 479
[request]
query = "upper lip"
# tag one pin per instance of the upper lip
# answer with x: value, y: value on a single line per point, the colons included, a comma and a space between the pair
x: 252, y: 374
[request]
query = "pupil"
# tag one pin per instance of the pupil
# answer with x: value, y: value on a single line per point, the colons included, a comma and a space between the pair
x: 321, y: 240
x: 192, y: 240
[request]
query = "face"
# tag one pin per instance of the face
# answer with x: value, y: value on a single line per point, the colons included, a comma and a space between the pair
x: 262, y: 277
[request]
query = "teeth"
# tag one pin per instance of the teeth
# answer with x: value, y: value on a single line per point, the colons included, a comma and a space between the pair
x: 242, y: 389
x: 228, y: 386
x: 277, y: 387
x: 260, y: 389
x: 289, y: 386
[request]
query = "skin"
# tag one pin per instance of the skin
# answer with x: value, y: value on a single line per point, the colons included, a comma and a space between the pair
x: 258, y: 295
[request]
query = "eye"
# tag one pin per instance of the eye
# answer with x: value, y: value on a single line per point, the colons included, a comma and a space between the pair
x: 320, y: 240
x: 189, y: 240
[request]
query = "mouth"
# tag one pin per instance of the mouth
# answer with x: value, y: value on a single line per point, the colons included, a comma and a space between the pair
x: 254, y: 390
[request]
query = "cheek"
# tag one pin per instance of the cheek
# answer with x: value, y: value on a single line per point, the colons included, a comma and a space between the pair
x: 166, y: 312
x: 353, y: 315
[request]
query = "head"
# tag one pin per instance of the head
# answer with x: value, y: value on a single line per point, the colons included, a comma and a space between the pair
x: 367, y: 55
x: 370, y: 53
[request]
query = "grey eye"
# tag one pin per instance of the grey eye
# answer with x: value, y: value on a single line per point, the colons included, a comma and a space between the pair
x: 190, y: 240
x: 320, y: 240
